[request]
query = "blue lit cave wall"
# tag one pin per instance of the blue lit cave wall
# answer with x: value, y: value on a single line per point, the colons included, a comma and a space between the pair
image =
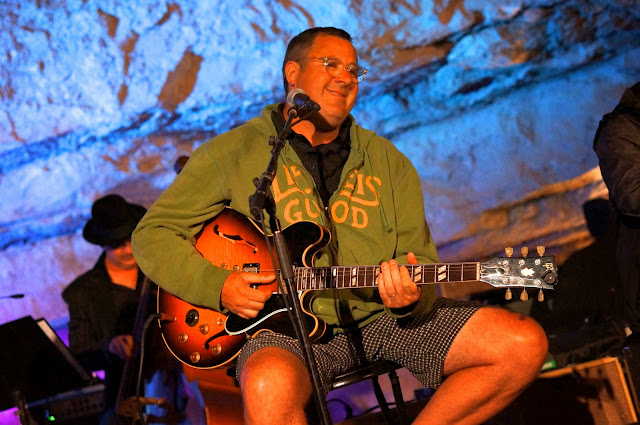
x: 495, y: 102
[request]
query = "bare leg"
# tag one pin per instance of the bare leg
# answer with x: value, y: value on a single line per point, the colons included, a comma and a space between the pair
x: 491, y: 361
x: 275, y: 387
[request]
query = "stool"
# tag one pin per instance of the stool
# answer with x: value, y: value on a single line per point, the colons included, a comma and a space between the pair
x: 373, y: 371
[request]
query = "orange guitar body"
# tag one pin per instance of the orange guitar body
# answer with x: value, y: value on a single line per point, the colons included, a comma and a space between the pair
x: 231, y: 241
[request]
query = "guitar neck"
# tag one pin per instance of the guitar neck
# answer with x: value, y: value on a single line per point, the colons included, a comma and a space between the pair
x: 317, y: 278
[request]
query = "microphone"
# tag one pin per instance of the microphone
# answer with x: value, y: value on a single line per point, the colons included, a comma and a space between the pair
x: 299, y: 101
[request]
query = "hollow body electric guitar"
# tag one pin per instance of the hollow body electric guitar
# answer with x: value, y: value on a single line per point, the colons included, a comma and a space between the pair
x: 203, y: 338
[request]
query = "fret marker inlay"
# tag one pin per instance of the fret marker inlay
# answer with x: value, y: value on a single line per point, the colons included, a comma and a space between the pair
x: 442, y: 273
x: 417, y: 277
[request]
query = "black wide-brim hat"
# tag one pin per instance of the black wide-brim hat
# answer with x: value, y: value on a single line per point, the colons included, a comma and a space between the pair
x: 112, y: 221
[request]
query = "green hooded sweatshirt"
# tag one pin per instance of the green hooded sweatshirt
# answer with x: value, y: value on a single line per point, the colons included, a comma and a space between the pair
x: 376, y: 214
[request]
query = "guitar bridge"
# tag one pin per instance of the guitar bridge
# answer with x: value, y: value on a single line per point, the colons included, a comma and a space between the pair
x: 251, y: 267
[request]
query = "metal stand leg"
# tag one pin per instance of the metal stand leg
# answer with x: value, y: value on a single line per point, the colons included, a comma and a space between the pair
x: 384, y: 406
x: 397, y: 394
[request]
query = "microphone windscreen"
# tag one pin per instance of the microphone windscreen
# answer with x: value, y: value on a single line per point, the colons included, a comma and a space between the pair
x: 291, y: 97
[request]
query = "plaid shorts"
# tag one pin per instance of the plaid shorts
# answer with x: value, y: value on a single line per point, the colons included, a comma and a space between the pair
x: 418, y: 343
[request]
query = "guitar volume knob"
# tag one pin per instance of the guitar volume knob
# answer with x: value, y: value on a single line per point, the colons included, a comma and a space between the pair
x: 216, y: 349
x: 204, y: 329
x: 194, y: 357
x: 183, y: 337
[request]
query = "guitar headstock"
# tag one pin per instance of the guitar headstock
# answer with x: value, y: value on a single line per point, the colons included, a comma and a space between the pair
x: 521, y: 272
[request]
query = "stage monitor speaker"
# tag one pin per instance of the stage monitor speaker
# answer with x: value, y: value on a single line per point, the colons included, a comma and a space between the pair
x: 591, y: 393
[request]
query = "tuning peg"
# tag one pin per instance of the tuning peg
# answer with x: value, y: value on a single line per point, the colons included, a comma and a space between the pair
x: 540, y: 250
x: 508, y: 295
x: 523, y: 295
x: 509, y: 251
x: 540, y: 296
x: 525, y: 251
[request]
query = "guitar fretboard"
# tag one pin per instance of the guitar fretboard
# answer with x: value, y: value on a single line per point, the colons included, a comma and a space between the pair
x: 316, y: 278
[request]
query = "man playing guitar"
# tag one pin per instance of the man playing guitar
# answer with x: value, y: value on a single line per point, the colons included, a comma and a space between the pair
x: 357, y: 185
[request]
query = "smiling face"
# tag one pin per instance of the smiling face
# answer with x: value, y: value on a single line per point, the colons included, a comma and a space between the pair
x: 336, y: 95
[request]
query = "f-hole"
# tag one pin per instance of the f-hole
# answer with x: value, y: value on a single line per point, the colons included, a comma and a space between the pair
x: 234, y: 238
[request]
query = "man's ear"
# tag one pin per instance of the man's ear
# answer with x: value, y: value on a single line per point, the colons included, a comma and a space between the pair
x: 291, y: 71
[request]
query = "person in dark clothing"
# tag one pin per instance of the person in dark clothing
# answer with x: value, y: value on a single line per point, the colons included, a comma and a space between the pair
x: 103, y: 301
x: 617, y: 144
x: 103, y: 310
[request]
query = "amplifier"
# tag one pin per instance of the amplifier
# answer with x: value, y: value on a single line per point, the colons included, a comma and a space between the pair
x: 69, y: 407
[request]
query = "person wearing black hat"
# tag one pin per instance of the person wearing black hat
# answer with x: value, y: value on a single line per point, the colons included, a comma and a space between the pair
x: 103, y: 301
x: 103, y: 305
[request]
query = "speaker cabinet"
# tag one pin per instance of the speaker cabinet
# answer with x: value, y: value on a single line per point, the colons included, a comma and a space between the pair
x: 595, y: 392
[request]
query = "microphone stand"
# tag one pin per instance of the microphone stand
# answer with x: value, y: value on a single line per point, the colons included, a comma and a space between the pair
x: 14, y: 296
x: 262, y: 200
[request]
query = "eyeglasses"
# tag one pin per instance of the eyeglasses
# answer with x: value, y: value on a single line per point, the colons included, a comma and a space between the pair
x: 335, y: 67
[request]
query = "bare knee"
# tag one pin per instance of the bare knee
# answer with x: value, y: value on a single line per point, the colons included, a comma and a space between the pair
x: 523, y: 346
x: 274, y: 382
x: 534, y: 337
x: 495, y: 336
x: 527, y: 341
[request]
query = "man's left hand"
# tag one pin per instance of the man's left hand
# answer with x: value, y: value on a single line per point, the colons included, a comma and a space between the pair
x: 396, y: 288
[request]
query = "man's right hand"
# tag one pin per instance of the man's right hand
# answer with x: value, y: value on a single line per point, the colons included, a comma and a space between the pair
x: 240, y: 298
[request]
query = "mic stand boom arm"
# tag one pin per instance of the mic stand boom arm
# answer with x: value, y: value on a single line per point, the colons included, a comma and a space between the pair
x: 262, y: 200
